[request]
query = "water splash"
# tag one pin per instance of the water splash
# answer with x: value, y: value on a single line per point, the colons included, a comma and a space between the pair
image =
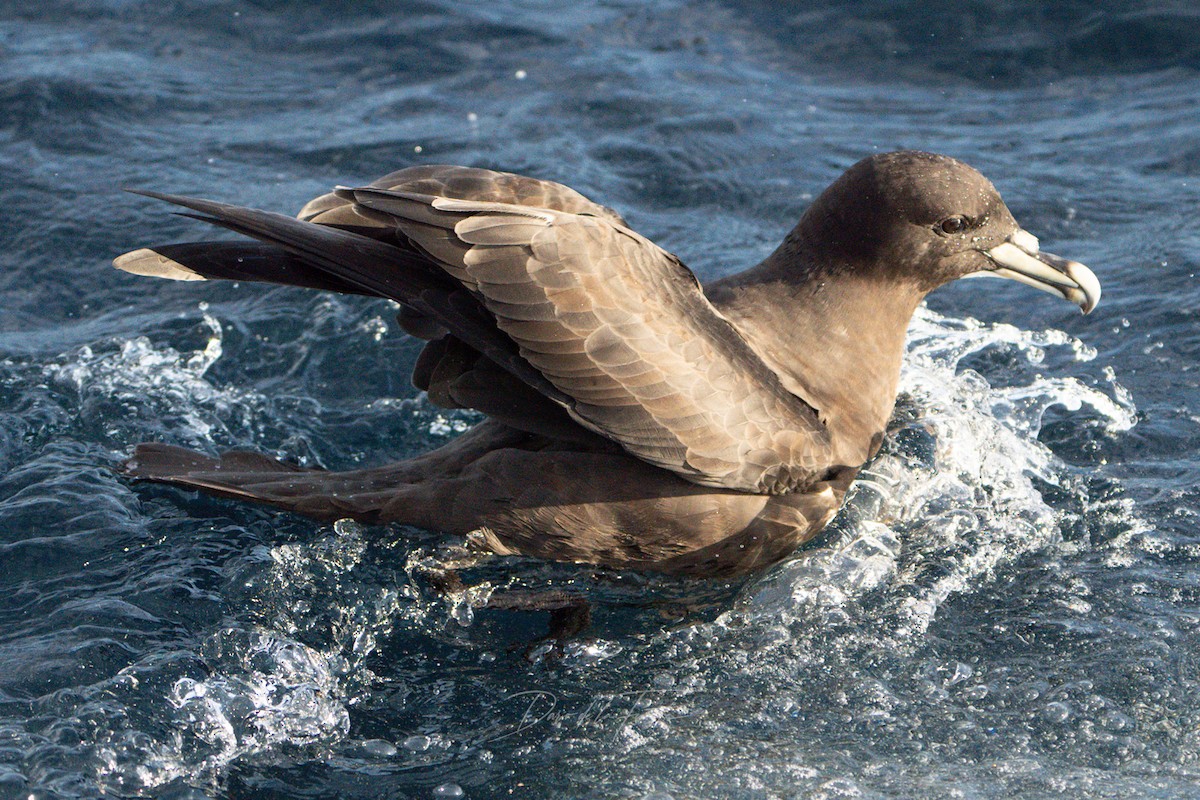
x: 134, y: 388
x: 276, y: 685
x: 955, y: 494
x: 958, y: 493
x: 267, y: 690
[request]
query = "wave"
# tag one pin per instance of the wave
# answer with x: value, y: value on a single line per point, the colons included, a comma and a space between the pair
x: 960, y: 492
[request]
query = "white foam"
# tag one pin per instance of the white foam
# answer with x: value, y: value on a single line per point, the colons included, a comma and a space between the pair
x: 283, y: 679
x: 932, y: 517
x: 963, y: 499
x: 156, y: 382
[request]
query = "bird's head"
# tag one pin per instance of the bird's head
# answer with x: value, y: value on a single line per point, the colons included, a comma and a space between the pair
x: 928, y: 219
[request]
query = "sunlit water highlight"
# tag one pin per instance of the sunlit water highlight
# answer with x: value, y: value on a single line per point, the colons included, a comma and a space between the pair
x: 959, y: 493
x: 1007, y: 607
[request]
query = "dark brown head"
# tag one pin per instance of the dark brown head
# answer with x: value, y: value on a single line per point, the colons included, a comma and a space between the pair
x: 927, y: 219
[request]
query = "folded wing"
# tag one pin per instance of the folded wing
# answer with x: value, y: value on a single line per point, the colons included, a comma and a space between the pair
x: 553, y: 291
x: 623, y: 329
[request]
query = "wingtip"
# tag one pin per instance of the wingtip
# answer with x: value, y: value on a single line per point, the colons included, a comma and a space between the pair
x: 148, y: 263
x: 170, y: 198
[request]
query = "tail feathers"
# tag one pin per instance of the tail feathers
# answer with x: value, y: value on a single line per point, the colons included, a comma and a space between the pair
x: 233, y: 261
x: 153, y: 461
x: 243, y: 475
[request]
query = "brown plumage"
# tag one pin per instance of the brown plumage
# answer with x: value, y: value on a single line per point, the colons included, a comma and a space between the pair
x: 636, y: 420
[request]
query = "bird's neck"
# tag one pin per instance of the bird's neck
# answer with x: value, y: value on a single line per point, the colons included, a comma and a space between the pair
x: 835, y: 341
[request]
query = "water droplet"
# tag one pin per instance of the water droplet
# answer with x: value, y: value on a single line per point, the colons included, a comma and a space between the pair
x: 1057, y: 712
x: 977, y: 692
x: 521, y: 74
x: 416, y: 743
x: 448, y: 790
x: 380, y: 748
x: 1117, y: 722
x: 961, y: 673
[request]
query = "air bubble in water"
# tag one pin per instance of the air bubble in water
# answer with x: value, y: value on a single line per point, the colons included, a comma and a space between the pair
x: 416, y: 744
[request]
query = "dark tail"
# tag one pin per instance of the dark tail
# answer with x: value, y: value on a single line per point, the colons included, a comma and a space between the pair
x: 242, y: 475
x: 412, y: 491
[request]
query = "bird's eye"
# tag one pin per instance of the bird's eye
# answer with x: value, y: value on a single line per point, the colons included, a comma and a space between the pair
x: 952, y: 225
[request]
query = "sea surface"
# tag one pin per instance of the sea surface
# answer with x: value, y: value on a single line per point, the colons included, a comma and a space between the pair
x: 1009, y: 605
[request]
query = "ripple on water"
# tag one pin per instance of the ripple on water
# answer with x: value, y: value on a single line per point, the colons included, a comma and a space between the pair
x: 833, y: 642
x: 957, y: 495
x: 952, y: 500
x: 1006, y: 608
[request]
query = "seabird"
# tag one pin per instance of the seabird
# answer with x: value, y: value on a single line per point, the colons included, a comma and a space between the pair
x: 635, y: 419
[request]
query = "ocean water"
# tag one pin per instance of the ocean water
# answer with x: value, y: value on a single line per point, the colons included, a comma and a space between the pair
x: 1008, y: 606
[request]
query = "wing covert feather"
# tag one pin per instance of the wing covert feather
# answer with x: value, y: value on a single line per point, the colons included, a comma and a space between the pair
x: 624, y: 329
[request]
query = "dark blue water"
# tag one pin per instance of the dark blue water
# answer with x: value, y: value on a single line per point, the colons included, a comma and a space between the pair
x: 1009, y: 606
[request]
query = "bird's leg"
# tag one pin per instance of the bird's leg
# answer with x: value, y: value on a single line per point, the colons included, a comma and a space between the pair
x: 570, y: 613
x: 570, y: 616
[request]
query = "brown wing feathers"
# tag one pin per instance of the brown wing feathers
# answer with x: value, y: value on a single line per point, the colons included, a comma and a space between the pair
x: 376, y: 268
x: 559, y: 293
x: 622, y: 328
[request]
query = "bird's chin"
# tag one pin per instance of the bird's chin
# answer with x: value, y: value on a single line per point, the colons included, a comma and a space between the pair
x: 1019, y: 259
